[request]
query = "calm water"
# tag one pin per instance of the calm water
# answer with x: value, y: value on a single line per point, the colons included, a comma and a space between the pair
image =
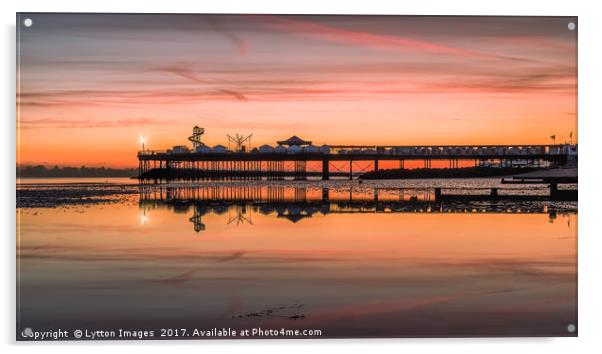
x: 295, y: 255
x: 81, y: 180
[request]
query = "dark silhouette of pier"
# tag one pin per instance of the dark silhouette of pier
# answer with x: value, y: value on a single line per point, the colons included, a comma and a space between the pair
x: 254, y: 164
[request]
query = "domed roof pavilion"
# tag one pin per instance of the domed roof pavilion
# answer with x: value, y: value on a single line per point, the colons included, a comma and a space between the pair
x: 294, y: 140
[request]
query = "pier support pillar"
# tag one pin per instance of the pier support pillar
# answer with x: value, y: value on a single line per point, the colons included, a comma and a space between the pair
x: 494, y: 192
x: 325, y: 169
x: 300, y: 170
x: 375, y: 165
x: 350, y: 169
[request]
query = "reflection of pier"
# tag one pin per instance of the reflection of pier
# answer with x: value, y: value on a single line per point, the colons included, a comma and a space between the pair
x: 548, y: 190
x: 494, y: 193
x: 296, y: 204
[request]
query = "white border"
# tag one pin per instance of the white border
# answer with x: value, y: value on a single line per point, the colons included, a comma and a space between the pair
x: 590, y: 235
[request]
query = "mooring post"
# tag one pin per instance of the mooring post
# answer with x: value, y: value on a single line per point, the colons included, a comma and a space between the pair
x: 325, y: 194
x: 553, y: 190
x: 437, y: 193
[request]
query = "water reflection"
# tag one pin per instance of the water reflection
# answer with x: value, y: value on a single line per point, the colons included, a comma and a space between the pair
x: 352, y: 260
x: 298, y: 203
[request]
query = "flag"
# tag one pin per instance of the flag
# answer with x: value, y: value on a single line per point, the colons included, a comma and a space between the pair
x: 571, y: 135
x: 553, y: 137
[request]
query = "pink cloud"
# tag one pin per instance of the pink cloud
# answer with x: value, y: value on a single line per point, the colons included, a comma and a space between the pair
x: 371, y: 40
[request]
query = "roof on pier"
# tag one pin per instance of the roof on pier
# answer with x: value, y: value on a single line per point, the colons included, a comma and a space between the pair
x: 294, y: 140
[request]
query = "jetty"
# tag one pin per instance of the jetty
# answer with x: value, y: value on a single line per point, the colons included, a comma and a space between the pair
x: 290, y: 157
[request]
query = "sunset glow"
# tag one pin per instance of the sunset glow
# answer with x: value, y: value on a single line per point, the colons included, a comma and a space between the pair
x: 94, y: 88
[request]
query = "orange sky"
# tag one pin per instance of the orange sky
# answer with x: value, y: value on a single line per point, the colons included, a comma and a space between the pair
x: 90, y: 85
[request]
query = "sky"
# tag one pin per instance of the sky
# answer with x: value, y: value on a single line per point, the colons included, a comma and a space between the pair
x: 89, y: 85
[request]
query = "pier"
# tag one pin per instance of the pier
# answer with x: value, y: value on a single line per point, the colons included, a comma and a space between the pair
x: 254, y: 164
x: 290, y: 158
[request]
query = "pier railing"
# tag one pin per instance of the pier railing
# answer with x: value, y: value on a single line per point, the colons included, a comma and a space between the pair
x: 389, y: 150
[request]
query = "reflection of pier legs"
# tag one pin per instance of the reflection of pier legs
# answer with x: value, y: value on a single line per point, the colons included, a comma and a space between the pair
x: 300, y: 194
x: 218, y: 198
x: 325, y: 194
x: 275, y: 194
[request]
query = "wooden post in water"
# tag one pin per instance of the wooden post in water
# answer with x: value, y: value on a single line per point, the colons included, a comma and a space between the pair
x: 325, y: 194
x: 437, y: 193
x: 553, y: 190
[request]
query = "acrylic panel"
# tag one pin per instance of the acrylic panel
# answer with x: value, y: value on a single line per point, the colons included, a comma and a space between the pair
x: 213, y: 176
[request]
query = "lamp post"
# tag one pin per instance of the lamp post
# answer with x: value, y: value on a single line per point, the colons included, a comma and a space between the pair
x: 142, y: 142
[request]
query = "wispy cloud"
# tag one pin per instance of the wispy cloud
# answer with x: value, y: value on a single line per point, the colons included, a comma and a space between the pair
x: 365, y: 39
x: 190, y: 75
x: 84, y: 123
x: 236, y: 41
x: 526, y: 81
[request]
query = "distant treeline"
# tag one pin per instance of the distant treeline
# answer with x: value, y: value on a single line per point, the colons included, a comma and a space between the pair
x: 464, y: 172
x: 56, y: 171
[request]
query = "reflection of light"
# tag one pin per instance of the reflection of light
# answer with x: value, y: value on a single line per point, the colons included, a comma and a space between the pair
x: 143, y: 219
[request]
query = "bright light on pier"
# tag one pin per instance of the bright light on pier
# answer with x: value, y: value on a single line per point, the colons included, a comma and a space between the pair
x: 142, y: 141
